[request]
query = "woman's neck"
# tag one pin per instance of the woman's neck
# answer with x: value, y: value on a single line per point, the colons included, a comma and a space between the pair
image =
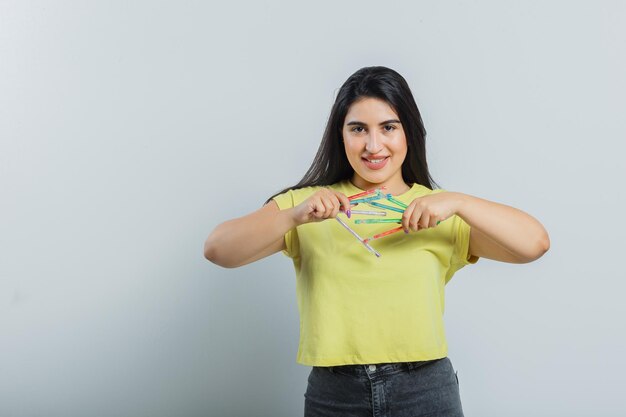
x: 395, y: 188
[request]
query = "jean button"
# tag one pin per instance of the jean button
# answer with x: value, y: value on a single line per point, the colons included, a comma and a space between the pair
x: 372, y: 368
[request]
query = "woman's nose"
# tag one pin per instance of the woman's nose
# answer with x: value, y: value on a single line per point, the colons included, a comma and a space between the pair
x: 372, y: 144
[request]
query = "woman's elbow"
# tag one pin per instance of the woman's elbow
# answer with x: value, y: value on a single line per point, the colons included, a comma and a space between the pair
x: 544, y: 242
x: 209, y: 251
x: 212, y: 254
x: 542, y: 247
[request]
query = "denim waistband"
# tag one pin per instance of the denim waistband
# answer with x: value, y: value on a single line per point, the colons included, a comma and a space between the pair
x: 378, y: 368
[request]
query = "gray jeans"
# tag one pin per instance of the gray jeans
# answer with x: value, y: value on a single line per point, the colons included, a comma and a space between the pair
x: 402, y: 389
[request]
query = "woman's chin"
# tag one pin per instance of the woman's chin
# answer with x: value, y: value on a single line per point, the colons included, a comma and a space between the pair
x: 371, y: 181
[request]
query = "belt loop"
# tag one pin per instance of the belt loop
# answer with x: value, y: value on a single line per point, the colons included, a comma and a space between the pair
x: 330, y: 368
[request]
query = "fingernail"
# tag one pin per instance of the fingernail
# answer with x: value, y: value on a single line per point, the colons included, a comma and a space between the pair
x: 406, y: 231
x: 348, y: 213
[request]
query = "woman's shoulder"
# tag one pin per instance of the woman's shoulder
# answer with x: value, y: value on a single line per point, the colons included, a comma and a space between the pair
x: 294, y: 196
x: 310, y: 189
x: 419, y: 190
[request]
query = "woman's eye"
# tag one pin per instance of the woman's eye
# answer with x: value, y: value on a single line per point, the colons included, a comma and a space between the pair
x: 388, y: 128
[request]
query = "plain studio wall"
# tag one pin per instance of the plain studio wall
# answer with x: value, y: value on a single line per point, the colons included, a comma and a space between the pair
x: 129, y: 130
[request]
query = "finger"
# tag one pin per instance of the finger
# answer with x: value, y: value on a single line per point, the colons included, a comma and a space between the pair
x: 311, y: 207
x: 415, y: 217
x: 434, y: 219
x: 406, y: 218
x: 319, y: 208
x: 345, y: 203
x: 336, y: 205
x: 333, y: 207
x: 328, y: 207
x: 424, y: 221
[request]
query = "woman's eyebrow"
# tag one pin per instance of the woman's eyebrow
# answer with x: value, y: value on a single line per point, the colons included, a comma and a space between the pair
x: 356, y: 122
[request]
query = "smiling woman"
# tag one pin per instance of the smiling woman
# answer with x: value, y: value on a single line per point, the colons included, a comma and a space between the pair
x: 372, y: 327
x: 375, y: 149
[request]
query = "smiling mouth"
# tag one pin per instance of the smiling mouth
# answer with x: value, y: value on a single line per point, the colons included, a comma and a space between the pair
x: 375, y: 164
x: 375, y: 161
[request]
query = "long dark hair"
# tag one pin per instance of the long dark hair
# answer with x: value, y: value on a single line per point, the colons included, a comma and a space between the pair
x: 331, y: 164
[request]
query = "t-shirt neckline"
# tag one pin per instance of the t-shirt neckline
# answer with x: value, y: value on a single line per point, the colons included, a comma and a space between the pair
x: 358, y: 190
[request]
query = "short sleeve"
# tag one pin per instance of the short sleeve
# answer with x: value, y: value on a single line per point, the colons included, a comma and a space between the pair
x: 285, y: 201
x: 460, y: 252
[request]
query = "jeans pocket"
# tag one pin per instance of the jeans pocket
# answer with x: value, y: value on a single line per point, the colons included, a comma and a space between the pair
x: 312, y: 374
x: 339, y: 370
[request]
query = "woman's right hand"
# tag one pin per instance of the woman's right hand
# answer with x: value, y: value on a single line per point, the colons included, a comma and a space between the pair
x: 322, y: 205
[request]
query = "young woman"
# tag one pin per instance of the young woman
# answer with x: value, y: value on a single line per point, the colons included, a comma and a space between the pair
x: 371, y: 311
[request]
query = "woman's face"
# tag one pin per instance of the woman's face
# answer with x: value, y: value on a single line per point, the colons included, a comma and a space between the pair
x: 372, y: 132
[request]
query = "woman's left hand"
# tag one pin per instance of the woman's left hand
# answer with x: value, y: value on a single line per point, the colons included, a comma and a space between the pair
x: 428, y: 210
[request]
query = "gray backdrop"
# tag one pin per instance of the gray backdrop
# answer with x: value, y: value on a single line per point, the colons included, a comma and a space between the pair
x: 129, y: 130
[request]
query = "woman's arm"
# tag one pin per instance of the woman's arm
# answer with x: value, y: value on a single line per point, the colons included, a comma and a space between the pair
x: 249, y: 238
x: 498, y: 229
x: 246, y: 239
x: 498, y: 232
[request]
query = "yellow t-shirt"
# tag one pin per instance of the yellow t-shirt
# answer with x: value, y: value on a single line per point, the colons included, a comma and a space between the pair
x: 356, y: 308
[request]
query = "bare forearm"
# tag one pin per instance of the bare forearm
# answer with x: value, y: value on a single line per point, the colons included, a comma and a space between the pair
x: 237, y: 240
x: 511, y: 228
